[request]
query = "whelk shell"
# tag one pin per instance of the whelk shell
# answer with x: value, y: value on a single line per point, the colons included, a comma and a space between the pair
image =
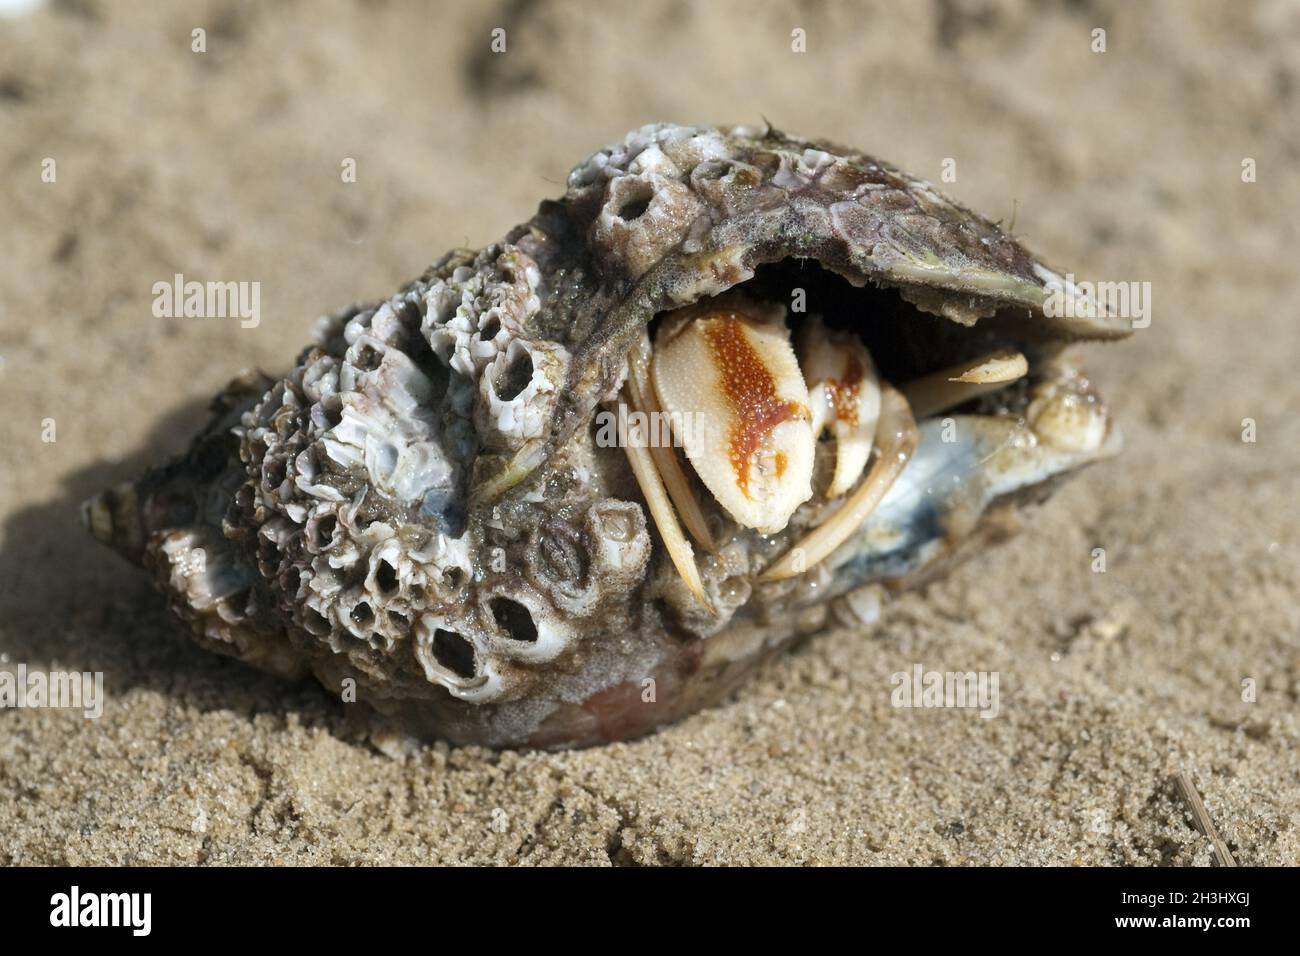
x: 428, y: 504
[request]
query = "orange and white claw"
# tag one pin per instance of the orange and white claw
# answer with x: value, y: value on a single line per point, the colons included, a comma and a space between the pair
x: 844, y: 394
x: 898, y: 440
x: 729, y: 378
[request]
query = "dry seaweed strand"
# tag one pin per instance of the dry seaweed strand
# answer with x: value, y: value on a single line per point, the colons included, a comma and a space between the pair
x: 1222, y: 855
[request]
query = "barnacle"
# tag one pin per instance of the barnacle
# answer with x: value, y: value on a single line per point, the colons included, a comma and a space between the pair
x: 859, y: 385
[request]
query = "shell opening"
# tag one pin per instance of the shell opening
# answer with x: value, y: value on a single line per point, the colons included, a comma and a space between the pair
x: 1014, y: 413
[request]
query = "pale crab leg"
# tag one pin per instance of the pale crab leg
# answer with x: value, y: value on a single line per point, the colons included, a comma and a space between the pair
x: 959, y: 383
x: 898, y: 438
x: 661, y: 509
x: 844, y: 393
x: 643, y: 399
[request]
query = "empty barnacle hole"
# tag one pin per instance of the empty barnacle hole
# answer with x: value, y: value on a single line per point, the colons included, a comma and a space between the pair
x: 447, y: 650
x: 268, y: 554
x: 711, y: 170
x: 629, y: 198
x: 314, y: 622
x: 362, y: 615
x: 489, y: 329
x: 634, y: 201
x: 643, y: 217
x: 513, y: 375
x: 386, y: 577
x: 322, y: 532
x: 367, y: 357
x: 274, y: 470
x: 513, y: 619
x: 453, y: 652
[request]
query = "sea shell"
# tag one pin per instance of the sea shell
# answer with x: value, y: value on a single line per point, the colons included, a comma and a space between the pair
x: 428, y: 508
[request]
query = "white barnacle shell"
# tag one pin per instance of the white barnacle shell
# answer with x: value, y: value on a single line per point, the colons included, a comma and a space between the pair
x: 474, y: 314
x: 688, y: 146
x: 619, y: 541
x: 683, y: 146
x: 645, y: 216
x: 581, y: 568
x: 451, y: 652
x: 384, y: 429
x: 521, y: 625
x: 797, y: 170
x: 517, y: 391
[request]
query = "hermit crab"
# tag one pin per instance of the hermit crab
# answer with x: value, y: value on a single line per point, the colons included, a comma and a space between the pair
x: 728, y: 391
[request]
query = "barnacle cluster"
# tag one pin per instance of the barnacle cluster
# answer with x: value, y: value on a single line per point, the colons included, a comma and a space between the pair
x: 358, y: 468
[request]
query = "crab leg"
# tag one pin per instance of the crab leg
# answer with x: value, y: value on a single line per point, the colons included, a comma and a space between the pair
x: 643, y: 399
x: 898, y: 440
x: 959, y: 383
x: 661, y: 509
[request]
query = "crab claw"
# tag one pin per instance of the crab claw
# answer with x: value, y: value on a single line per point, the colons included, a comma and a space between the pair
x: 733, y: 389
x: 898, y: 440
x: 845, y: 395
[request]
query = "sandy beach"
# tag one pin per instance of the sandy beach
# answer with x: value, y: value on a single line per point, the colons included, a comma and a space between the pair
x: 1129, y: 164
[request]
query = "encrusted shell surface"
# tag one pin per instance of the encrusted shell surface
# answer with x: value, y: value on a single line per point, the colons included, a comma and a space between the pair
x: 420, y: 504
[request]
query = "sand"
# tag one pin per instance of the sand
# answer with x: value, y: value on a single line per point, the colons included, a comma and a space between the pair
x: 1123, y: 165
